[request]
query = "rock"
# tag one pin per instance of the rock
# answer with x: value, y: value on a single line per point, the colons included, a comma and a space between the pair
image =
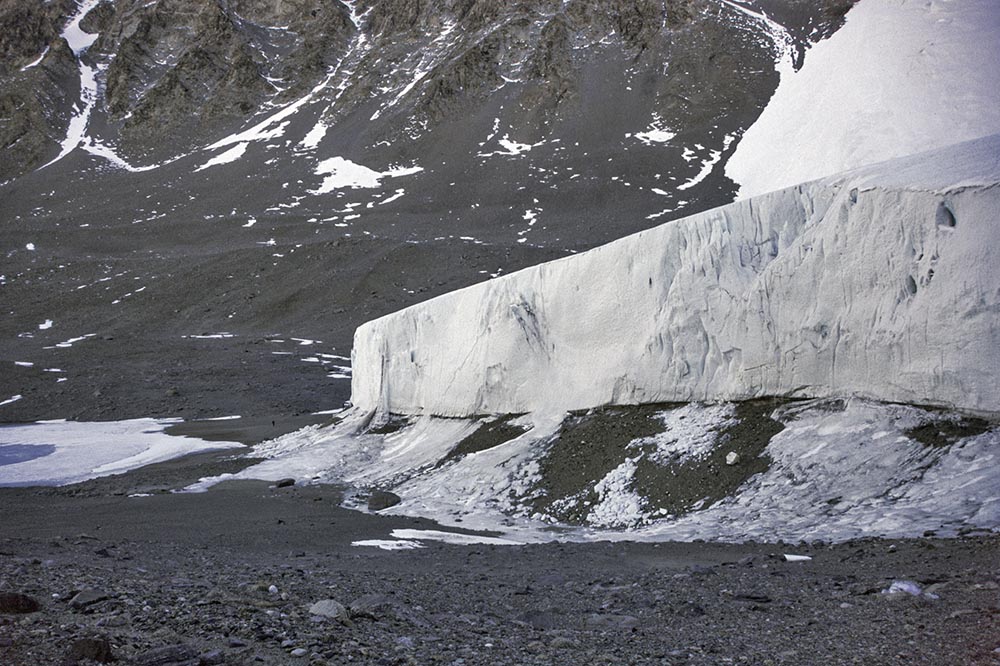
x: 610, y: 622
x: 299, y: 652
x: 732, y: 458
x: 563, y: 643
x: 212, y: 658
x: 87, y: 597
x: 169, y: 655
x: 329, y: 608
x: 97, y: 648
x: 284, y: 483
x: 908, y: 587
x: 381, y: 606
x: 540, y: 619
x: 382, y: 499
x: 689, y: 609
x: 15, y: 602
x: 235, y: 643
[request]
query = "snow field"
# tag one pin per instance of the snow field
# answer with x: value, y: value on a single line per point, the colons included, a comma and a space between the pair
x: 898, y: 78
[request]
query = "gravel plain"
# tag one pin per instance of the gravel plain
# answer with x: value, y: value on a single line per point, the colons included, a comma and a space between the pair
x: 236, y: 576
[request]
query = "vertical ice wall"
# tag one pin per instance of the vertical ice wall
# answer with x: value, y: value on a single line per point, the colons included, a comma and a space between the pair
x: 878, y: 282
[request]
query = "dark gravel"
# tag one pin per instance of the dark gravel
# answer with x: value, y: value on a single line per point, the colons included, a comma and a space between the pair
x: 229, y: 576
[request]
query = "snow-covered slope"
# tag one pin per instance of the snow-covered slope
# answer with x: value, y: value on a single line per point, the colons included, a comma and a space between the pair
x: 899, y: 78
x: 876, y: 282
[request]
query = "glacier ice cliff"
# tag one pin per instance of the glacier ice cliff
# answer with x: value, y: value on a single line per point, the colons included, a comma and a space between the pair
x: 876, y: 282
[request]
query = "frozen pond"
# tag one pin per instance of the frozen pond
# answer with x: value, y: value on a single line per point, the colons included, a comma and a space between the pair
x: 56, y: 453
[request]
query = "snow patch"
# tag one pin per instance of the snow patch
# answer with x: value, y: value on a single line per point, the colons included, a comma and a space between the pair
x: 72, y: 341
x: 512, y: 148
x: 312, y: 138
x: 655, y: 134
x: 231, y: 155
x: 453, y: 538
x: 389, y: 544
x: 690, y: 433
x: 341, y: 173
x: 34, y: 63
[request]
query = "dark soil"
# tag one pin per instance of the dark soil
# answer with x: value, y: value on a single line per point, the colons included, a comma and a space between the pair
x: 588, y: 446
x: 228, y: 576
x: 487, y: 436
x: 592, y: 444
x: 946, y: 431
x: 677, y: 488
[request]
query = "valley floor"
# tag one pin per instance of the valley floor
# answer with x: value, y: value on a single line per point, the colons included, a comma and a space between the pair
x: 229, y: 576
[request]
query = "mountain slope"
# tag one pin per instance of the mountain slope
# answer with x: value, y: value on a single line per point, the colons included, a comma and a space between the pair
x: 276, y: 170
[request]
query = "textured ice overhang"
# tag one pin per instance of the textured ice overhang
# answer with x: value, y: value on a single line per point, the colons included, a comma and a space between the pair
x: 878, y: 282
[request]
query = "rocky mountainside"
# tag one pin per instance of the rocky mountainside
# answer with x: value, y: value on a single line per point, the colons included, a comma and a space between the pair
x: 184, y: 183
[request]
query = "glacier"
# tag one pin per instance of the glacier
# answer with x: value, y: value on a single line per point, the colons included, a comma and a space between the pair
x: 871, y: 283
x: 852, y: 294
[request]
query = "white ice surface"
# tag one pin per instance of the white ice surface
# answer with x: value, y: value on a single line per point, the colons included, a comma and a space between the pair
x: 843, y: 474
x: 857, y: 284
x: 898, y: 78
x: 77, y: 451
